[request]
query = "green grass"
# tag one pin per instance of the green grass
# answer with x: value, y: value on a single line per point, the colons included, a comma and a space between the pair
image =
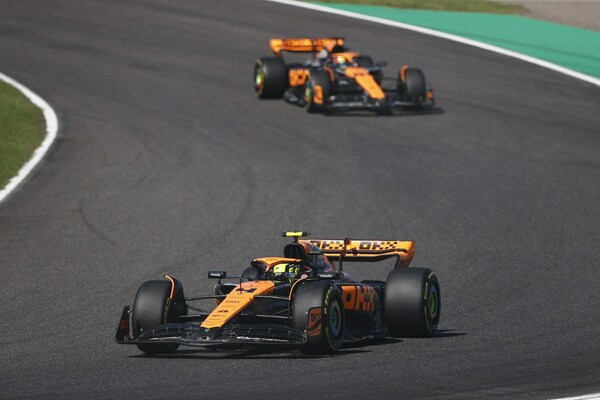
x: 22, y: 129
x: 480, y: 6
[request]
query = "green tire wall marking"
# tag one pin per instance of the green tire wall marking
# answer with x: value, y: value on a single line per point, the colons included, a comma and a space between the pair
x: 574, y: 48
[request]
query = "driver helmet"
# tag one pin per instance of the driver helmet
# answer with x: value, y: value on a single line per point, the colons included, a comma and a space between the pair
x: 341, y: 61
x: 290, y: 271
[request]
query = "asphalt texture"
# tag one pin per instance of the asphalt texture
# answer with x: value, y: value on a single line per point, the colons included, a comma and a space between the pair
x: 167, y: 162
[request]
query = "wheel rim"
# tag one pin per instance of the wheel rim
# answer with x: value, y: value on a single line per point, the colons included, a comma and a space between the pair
x: 308, y: 94
x: 308, y: 90
x: 335, y: 319
x: 259, y: 78
x: 433, y: 303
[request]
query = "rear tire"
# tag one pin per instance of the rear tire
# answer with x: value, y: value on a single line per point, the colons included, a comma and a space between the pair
x: 325, y: 324
x: 152, y: 308
x: 270, y: 78
x: 413, y: 87
x: 412, y: 302
x: 315, y: 98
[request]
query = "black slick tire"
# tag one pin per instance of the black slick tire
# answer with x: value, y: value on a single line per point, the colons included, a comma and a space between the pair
x: 412, y: 86
x: 151, y: 309
x: 412, y: 302
x: 270, y: 78
x: 317, y: 309
x: 316, y: 90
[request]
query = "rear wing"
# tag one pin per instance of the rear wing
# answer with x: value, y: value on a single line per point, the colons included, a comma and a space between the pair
x: 304, y: 44
x: 366, y: 250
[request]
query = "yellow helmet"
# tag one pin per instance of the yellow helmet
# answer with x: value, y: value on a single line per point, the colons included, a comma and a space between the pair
x: 286, y: 270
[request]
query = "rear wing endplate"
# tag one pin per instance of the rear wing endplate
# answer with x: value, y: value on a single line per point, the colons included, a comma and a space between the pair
x: 304, y: 44
x: 366, y: 250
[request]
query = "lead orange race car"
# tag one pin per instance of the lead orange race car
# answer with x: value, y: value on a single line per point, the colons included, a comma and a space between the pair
x: 300, y: 300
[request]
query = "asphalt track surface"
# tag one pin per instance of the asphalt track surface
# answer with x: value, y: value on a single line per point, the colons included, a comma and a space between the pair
x: 167, y: 162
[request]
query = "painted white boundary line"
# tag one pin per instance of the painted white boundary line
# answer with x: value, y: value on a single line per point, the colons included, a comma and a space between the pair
x: 38, y: 154
x: 587, y: 397
x: 455, y: 38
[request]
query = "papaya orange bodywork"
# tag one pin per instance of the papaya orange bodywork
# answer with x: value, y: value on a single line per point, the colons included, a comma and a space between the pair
x: 269, y: 262
x: 303, y: 44
x: 297, y: 77
x: 172, y: 286
x: 430, y: 94
x: 403, y: 72
x: 318, y: 94
x: 359, y: 298
x: 236, y: 301
x: 365, y: 81
x: 367, y: 250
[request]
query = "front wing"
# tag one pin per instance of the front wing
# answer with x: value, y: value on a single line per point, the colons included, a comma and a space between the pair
x: 345, y: 102
x: 364, y: 102
x: 190, y: 334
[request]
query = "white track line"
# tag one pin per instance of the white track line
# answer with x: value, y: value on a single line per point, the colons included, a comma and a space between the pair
x: 38, y: 154
x: 455, y: 38
x: 431, y: 32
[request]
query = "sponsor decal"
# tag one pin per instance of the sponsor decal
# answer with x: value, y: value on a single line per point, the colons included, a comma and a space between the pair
x: 362, y: 245
x: 314, y: 322
x: 326, y: 276
x: 377, y: 245
x: 242, y: 289
x: 359, y: 298
x: 297, y: 77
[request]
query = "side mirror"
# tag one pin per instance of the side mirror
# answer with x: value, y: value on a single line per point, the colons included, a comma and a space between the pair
x: 217, y: 274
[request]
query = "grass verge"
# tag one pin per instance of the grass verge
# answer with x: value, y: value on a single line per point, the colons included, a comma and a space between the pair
x: 22, y: 129
x: 480, y: 6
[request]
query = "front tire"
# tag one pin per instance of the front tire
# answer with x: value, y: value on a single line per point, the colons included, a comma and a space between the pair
x: 412, y: 86
x: 316, y: 91
x: 318, y: 310
x: 152, y: 307
x: 412, y: 302
x: 270, y: 78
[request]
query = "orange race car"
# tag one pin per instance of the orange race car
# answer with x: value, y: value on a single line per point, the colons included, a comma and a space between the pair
x: 299, y: 299
x: 336, y: 79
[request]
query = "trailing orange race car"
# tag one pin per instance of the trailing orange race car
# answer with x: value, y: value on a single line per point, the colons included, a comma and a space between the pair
x: 299, y: 299
x: 336, y: 79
